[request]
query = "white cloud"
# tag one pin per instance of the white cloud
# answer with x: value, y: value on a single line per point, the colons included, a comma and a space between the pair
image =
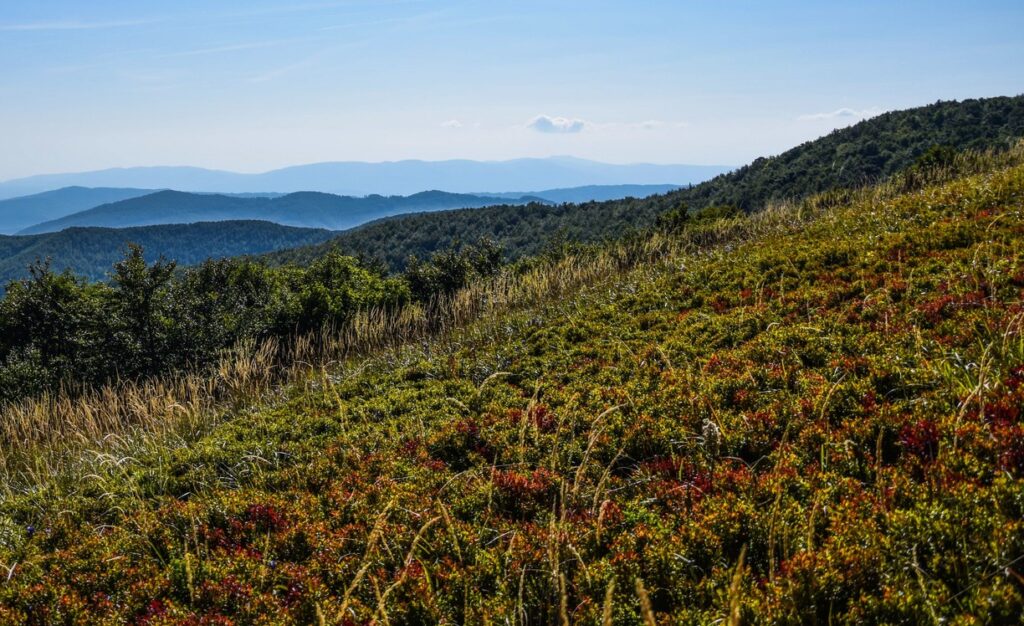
x: 843, y: 113
x: 546, y: 124
x: 451, y: 124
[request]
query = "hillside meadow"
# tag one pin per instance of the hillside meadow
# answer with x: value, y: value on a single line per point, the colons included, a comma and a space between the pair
x: 808, y: 415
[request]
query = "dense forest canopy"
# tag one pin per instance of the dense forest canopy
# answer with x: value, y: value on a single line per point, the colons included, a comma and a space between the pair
x: 60, y: 331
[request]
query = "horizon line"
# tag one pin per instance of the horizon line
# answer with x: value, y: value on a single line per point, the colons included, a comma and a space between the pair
x: 358, y: 162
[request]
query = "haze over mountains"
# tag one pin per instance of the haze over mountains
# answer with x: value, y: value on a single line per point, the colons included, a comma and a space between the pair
x: 848, y: 157
x: 307, y: 209
x: 22, y: 212
x: 866, y: 152
x: 385, y: 178
x: 83, y: 206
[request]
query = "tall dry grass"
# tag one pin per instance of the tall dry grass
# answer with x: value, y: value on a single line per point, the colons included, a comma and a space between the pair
x: 44, y: 436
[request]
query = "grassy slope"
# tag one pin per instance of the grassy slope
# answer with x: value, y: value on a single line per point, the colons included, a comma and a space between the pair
x: 822, y: 424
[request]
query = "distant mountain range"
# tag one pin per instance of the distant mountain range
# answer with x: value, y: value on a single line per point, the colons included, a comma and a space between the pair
x: 385, y: 178
x: 306, y: 209
x: 848, y: 157
x: 115, y: 208
x: 91, y: 252
x: 190, y: 227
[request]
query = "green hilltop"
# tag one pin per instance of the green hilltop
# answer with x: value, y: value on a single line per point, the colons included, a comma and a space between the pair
x: 90, y: 252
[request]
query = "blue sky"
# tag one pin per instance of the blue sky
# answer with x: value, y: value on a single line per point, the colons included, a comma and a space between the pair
x: 255, y: 85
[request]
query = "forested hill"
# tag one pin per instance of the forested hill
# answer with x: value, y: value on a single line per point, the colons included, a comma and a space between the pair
x: 865, y: 152
x: 587, y: 193
x: 91, y: 252
x: 848, y: 157
x: 520, y: 230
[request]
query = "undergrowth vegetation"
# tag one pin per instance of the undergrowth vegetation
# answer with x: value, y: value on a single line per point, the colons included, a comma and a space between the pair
x: 809, y: 415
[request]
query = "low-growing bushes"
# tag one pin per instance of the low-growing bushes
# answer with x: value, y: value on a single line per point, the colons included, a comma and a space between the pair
x: 709, y: 434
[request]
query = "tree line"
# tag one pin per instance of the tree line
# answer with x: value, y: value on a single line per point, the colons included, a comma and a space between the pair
x: 59, y: 330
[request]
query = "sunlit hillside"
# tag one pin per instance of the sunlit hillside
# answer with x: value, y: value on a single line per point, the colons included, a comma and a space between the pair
x: 808, y: 415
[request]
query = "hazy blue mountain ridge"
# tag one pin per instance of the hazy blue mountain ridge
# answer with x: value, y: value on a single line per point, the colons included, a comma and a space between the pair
x: 385, y: 178
x: 308, y: 209
x: 22, y: 212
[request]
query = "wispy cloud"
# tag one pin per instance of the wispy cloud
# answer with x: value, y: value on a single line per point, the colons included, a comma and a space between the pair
x: 446, y: 18
x: 649, y: 125
x: 309, y: 7
x: 556, y: 125
x: 106, y: 59
x: 303, y: 63
x: 73, y: 25
x: 295, y: 7
x: 284, y: 70
x: 451, y: 124
x: 253, y: 45
x: 368, y: 23
x: 843, y: 113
